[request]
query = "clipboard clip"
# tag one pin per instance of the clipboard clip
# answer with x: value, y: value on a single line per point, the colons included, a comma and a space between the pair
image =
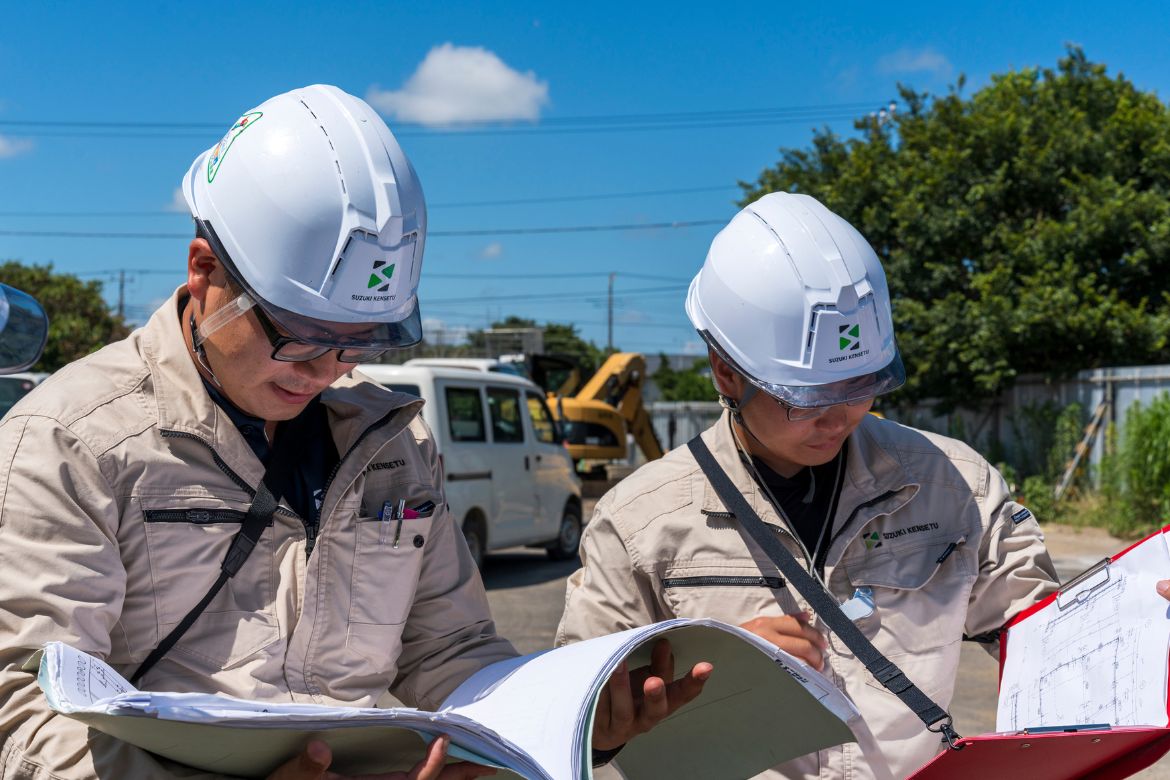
x: 1079, y: 588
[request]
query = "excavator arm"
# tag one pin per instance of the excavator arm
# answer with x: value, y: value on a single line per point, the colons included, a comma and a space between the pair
x: 596, y: 418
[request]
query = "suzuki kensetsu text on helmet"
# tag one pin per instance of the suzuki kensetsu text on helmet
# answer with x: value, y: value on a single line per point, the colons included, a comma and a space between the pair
x: 794, y: 299
x: 313, y: 208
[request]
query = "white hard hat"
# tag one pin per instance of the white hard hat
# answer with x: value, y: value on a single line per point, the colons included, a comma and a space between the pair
x: 793, y: 298
x: 313, y: 207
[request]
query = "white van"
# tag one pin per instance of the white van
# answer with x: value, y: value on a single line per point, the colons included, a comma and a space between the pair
x: 509, y: 480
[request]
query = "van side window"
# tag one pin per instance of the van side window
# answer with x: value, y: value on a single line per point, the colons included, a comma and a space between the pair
x: 505, y: 408
x: 465, y: 414
x: 542, y: 421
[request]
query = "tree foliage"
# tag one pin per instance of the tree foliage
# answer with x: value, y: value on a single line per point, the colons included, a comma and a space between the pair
x: 692, y: 384
x: 559, y: 339
x: 1023, y: 229
x: 80, y: 322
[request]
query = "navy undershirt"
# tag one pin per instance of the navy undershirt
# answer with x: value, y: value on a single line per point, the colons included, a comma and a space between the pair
x: 309, y: 435
x: 807, y: 517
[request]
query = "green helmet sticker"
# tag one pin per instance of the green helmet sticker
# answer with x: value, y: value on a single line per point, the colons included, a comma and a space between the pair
x: 850, y: 337
x: 380, y: 278
x: 221, y: 149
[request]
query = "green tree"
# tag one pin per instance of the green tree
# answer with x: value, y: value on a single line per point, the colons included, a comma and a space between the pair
x: 80, y: 322
x: 559, y: 339
x: 1023, y: 229
x: 692, y: 384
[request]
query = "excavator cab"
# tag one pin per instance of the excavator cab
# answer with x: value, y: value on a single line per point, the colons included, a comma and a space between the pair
x: 596, y: 414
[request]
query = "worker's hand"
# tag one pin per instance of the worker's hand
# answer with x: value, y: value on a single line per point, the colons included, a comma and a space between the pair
x: 313, y: 764
x: 632, y: 703
x: 1164, y: 589
x: 793, y: 635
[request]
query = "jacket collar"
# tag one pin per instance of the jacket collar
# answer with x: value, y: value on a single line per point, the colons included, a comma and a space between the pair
x: 183, y: 405
x: 875, y: 482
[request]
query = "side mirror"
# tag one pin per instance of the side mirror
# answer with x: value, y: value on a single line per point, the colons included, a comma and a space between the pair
x: 24, y: 329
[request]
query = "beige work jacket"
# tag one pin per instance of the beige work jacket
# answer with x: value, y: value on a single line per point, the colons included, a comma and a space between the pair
x: 121, y: 486
x: 660, y: 537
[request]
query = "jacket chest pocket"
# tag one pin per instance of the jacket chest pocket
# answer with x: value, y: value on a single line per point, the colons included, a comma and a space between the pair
x: 731, y: 591
x: 920, y: 593
x: 186, y: 541
x: 388, y: 556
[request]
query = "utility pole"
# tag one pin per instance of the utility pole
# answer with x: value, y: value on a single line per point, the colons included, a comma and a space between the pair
x: 121, y: 293
x: 609, y: 340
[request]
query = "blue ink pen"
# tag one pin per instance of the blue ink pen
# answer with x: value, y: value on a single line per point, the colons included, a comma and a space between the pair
x: 384, y: 517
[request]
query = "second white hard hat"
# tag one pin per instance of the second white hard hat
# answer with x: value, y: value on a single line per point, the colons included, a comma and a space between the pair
x: 314, y: 208
x: 794, y: 298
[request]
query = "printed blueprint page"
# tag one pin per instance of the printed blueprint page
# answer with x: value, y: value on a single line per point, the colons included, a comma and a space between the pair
x: 1097, y: 653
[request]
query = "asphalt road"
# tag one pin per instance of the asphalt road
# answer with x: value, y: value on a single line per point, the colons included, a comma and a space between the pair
x: 527, y: 592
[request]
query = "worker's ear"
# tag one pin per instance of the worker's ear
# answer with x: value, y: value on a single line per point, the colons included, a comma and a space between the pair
x: 728, y: 381
x: 202, y: 269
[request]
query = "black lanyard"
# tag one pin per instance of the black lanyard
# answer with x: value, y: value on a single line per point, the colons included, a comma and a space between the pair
x: 822, y: 602
x: 259, y: 517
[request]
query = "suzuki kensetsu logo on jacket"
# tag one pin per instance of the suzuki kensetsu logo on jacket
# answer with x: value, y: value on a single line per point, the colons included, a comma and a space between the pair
x: 380, y: 277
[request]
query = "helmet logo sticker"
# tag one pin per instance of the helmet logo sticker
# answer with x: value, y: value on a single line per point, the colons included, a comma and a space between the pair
x: 221, y: 149
x: 381, y: 279
x: 850, y: 337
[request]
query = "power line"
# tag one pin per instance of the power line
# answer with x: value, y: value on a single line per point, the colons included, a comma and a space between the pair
x: 548, y: 125
x: 463, y: 204
x: 557, y: 295
x: 433, y: 233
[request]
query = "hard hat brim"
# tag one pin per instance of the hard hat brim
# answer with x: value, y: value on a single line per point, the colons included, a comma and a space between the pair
x: 885, y: 380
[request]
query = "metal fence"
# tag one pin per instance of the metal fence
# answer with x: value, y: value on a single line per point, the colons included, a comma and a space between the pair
x: 999, y: 433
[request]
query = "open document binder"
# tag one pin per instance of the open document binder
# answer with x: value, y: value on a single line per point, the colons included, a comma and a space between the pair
x: 1083, y: 679
x: 530, y: 716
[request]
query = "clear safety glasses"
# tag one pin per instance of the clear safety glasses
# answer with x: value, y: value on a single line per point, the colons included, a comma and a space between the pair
x: 803, y: 413
x: 808, y: 402
x: 285, y: 348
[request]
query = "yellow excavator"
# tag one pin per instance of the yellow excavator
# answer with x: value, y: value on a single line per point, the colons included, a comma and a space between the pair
x: 595, y: 415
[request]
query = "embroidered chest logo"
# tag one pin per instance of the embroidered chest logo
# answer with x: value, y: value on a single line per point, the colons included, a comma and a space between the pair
x: 872, y: 540
x: 910, y: 529
x: 390, y: 464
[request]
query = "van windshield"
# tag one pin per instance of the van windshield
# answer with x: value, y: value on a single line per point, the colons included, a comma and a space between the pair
x: 400, y: 388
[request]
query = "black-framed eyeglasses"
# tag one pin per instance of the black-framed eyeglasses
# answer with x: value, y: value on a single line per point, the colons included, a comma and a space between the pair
x: 288, y: 349
x: 805, y: 413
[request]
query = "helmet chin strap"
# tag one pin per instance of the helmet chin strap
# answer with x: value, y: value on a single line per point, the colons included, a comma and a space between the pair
x: 735, y: 406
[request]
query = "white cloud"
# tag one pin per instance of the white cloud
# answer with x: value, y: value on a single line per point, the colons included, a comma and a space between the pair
x: 12, y: 147
x: 178, y: 203
x: 492, y: 251
x: 925, y: 60
x: 694, y: 348
x: 463, y: 84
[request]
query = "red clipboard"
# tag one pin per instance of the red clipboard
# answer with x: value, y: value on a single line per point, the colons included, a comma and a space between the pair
x: 1070, y: 753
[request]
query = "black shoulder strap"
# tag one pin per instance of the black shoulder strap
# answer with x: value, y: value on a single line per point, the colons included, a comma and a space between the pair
x: 885, y: 671
x: 259, y: 516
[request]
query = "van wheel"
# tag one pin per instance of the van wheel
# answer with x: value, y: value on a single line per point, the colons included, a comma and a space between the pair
x: 476, y: 540
x: 569, y: 538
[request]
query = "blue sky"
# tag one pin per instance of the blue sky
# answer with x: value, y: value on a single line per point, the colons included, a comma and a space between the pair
x: 563, y: 77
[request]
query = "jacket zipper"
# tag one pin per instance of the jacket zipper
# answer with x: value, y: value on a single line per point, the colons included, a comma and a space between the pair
x: 310, y: 528
x: 336, y: 468
x: 717, y: 580
x: 224, y: 467
x: 853, y: 514
x: 194, y: 516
